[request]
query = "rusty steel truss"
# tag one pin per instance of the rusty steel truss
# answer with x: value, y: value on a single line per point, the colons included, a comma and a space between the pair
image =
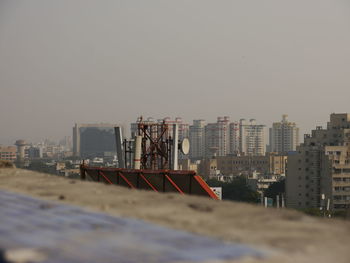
x: 156, y: 145
x: 182, y: 182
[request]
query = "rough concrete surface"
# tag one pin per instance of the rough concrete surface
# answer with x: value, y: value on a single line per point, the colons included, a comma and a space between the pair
x: 288, y: 235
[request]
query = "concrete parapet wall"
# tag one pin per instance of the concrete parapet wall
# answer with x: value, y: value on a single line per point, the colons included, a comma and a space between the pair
x: 289, y: 235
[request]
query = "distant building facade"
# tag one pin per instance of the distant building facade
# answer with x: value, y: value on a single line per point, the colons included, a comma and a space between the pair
x: 217, y: 136
x: 94, y: 140
x: 182, y: 126
x: 8, y: 153
x: 321, y: 167
x: 284, y: 136
x: 197, y: 139
x: 234, y: 138
x: 35, y: 152
x: 252, y: 138
x: 269, y: 164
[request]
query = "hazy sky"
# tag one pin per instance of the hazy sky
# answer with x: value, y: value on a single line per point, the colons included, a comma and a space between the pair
x: 71, y: 61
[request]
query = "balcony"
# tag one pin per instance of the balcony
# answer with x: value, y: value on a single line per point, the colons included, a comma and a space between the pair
x: 341, y: 183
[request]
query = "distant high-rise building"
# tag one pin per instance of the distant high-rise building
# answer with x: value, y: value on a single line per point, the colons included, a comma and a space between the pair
x: 252, y: 138
x: 217, y: 136
x: 197, y: 139
x: 134, y: 125
x: 284, y: 136
x: 94, y: 140
x: 66, y: 142
x: 35, y: 152
x: 234, y: 138
x: 320, y: 169
x: 182, y: 126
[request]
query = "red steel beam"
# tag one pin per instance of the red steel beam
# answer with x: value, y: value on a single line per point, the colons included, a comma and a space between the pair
x: 105, y: 177
x: 122, y: 170
x: 205, y: 187
x: 123, y: 173
x: 149, y: 184
x: 173, y: 184
x: 126, y: 180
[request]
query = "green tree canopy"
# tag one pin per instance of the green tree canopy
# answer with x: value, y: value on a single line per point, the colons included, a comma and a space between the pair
x: 275, y: 189
x: 236, y: 190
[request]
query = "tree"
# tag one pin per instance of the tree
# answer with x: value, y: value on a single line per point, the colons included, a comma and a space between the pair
x: 236, y: 190
x: 277, y: 188
x: 40, y: 166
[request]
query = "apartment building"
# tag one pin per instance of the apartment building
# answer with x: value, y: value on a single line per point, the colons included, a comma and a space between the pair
x: 321, y: 167
x: 8, y: 153
x: 217, y: 137
x: 284, y: 136
x: 234, y: 138
x: 197, y: 139
x: 269, y: 164
x: 252, y: 138
x: 183, y: 127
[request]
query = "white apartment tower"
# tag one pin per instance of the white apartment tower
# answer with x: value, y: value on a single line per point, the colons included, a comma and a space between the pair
x: 217, y: 137
x: 197, y: 139
x: 252, y: 138
x: 284, y: 136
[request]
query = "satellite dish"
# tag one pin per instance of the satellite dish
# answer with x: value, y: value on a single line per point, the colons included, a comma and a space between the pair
x: 185, y: 146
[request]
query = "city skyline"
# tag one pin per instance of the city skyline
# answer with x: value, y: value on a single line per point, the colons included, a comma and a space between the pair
x: 126, y: 127
x: 114, y: 61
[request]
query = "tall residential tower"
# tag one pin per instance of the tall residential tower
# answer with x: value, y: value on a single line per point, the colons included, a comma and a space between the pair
x: 197, y: 139
x: 284, y: 136
x: 252, y: 137
x: 217, y: 137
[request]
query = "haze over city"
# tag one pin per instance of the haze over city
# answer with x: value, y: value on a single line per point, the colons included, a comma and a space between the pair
x: 175, y: 131
x: 63, y: 62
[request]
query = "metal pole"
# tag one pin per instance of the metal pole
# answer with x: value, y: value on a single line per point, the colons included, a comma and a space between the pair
x: 137, y: 152
x: 119, y: 145
x: 125, y: 154
x: 175, y: 147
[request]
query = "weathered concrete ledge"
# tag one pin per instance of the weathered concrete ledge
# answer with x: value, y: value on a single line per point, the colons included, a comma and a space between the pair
x: 289, y: 235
